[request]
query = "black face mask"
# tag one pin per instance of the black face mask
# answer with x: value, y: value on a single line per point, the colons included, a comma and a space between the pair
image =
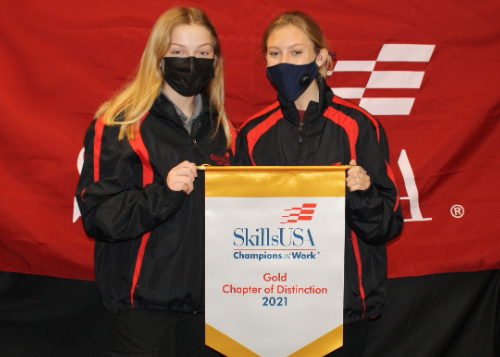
x: 188, y: 75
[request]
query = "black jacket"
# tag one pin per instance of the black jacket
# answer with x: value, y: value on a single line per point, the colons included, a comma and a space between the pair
x: 149, y: 250
x: 333, y: 132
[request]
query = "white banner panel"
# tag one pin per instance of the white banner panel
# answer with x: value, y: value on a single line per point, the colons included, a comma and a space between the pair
x: 274, y: 263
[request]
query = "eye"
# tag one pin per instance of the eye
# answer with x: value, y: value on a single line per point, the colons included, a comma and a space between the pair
x: 296, y: 52
x: 273, y: 53
x: 176, y: 52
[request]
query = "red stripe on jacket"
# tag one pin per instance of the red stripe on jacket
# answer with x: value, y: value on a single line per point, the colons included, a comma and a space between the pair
x: 349, y: 104
x: 234, y: 134
x: 263, y: 111
x: 349, y: 124
x: 352, y: 130
x: 357, y: 255
x: 98, y: 130
x: 254, y: 134
x: 375, y: 122
x: 138, y: 146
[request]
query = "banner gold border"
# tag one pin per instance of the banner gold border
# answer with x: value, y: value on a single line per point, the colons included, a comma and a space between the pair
x: 327, y: 343
x: 275, y: 181
x: 224, y: 344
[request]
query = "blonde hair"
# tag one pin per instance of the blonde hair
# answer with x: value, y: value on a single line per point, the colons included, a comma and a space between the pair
x: 310, y: 27
x: 135, y: 99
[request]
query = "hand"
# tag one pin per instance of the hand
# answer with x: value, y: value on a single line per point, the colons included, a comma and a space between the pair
x: 182, y: 176
x: 357, y: 178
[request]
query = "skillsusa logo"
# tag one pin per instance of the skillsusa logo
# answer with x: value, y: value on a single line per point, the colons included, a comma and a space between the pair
x: 278, y: 243
x: 302, y: 213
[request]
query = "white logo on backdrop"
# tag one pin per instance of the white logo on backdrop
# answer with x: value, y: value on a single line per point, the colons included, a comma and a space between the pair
x: 411, y: 189
x: 380, y: 79
x: 386, y: 79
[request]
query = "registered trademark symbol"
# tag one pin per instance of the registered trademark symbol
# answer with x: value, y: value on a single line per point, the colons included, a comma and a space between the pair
x: 457, y: 211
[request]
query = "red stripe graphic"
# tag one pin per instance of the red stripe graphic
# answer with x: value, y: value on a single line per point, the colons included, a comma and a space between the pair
x: 147, y: 178
x: 299, y: 213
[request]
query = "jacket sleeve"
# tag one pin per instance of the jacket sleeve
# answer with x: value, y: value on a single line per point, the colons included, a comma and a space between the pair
x: 114, y: 204
x: 374, y: 214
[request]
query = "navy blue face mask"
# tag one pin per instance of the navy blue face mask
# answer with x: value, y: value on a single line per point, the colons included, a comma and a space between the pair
x: 291, y: 80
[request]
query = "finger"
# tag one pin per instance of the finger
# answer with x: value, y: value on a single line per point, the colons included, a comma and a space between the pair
x: 181, y: 183
x: 354, y: 173
x: 356, y: 183
x: 353, y: 187
x: 191, y: 166
x: 180, y: 179
x: 184, y: 171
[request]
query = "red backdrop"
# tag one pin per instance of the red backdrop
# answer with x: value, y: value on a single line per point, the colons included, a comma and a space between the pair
x: 428, y: 70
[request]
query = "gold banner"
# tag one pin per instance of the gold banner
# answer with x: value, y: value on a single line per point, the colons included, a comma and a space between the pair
x: 275, y: 181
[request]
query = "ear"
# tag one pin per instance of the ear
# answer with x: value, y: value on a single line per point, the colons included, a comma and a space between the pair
x: 215, y: 60
x: 322, y: 57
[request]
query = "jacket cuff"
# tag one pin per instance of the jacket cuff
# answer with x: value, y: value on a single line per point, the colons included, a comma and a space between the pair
x: 364, y: 195
x: 172, y: 195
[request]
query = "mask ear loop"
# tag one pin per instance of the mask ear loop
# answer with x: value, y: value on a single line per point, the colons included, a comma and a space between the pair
x: 331, y: 54
x: 333, y: 62
x: 161, y: 65
x: 316, y: 58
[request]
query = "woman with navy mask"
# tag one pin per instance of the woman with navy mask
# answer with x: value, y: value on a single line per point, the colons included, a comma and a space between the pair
x: 309, y: 125
x: 141, y: 197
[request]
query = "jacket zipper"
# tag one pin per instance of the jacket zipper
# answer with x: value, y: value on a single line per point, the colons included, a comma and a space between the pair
x: 197, y: 153
x: 301, y: 139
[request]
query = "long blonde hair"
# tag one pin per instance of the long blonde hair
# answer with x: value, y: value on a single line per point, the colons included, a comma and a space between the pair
x: 135, y: 99
x: 310, y: 27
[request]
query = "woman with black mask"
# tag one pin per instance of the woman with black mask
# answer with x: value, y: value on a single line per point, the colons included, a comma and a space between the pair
x: 309, y: 125
x: 141, y: 197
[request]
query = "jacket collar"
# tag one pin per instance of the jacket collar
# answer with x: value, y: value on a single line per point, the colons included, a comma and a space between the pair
x: 165, y: 109
x: 314, y: 109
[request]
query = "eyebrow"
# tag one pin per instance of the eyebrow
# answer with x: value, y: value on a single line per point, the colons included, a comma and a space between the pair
x: 294, y: 45
x: 180, y: 45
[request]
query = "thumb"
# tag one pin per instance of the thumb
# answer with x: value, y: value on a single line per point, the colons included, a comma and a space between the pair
x: 352, y: 162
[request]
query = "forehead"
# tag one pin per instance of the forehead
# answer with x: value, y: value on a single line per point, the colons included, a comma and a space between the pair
x: 191, y: 35
x: 288, y: 35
